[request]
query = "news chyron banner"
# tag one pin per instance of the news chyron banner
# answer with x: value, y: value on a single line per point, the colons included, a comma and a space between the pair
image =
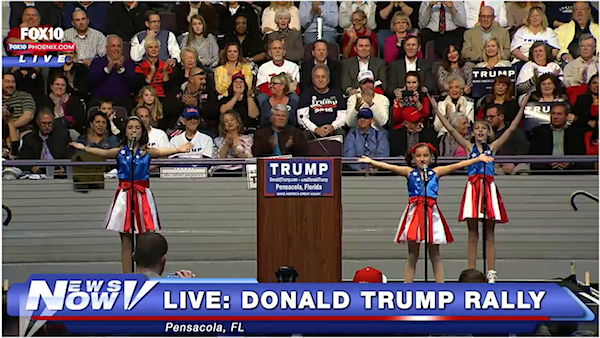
x: 133, y: 304
x: 37, y: 52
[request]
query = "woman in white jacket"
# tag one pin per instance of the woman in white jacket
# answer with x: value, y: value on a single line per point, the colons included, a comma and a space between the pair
x: 455, y: 101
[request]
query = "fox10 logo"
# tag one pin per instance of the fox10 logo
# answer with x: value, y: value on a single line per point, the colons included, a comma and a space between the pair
x: 42, y: 33
x: 41, y: 40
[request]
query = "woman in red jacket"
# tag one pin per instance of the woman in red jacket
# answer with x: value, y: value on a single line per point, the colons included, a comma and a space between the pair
x: 411, y: 104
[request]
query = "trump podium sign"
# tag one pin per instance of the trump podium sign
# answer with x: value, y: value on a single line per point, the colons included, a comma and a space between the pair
x: 294, y: 177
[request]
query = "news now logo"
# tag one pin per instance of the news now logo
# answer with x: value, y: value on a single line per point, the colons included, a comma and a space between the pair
x: 42, y: 33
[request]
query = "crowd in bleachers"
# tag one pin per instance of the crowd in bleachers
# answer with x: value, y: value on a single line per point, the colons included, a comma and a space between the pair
x: 249, y: 79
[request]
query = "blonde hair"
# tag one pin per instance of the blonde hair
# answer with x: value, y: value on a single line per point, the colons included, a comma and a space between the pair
x: 491, y: 135
x: 156, y: 111
x: 500, y: 49
x: 150, y: 41
x: 236, y: 116
x: 189, y: 50
x: 282, y: 12
x: 287, y: 82
x: 191, y: 35
x: 400, y: 15
x: 541, y: 12
x: 275, y: 4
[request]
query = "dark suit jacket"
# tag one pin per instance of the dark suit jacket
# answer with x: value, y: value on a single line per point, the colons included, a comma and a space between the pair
x: 541, y: 144
x: 262, y: 147
x: 350, y: 72
x: 399, y: 145
x: 58, y: 143
x: 397, y: 76
x: 306, y: 75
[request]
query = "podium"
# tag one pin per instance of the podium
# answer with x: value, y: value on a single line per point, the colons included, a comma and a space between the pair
x: 300, y: 231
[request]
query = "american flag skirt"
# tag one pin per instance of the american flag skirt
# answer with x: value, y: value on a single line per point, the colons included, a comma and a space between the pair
x: 146, y: 214
x: 472, y: 201
x: 411, y: 227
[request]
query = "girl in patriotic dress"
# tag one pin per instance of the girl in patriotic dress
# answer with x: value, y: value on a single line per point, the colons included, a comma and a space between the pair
x: 482, y: 142
x: 146, y: 214
x: 411, y: 228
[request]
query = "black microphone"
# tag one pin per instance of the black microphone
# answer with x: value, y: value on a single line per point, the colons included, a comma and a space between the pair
x: 132, y: 143
x: 426, y: 172
x: 483, y: 147
x: 314, y: 135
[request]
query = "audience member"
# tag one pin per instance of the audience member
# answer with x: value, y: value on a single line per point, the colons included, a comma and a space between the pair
x: 152, y: 70
x: 202, y: 143
x: 578, y: 71
x: 197, y: 93
x: 517, y: 12
x: 202, y: 41
x: 98, y: 134
x: 453, y: 64
x: 181, y: 72
x: 269, y: 17
x: 151, y: 256
x: 76, y: 73
x: 148, y: 97
x: 348, y: 8
x: 473, y: 13
x: 359, y: 29
x: 561, y: 12
x: 320, y: 55
x: 386, y: 16
x: 548, y: 88
x: 311, y: 11
x: 10, y: 139
x: 449, y: 146
x: 30, y: 18
x: 90, y: 43
x: 591, y: 144
x: 351, y: 67
x: 569, y: 34
x: 251, y: 45
x: 503, y: 92
x: 126, y: 18
x: 403, y: 139
x: 280, y: 94
x: 540, y: 63
x: 410, y: 104
x: 535, y: 30
x: 52, y: 12
x: 556, y: 139
x: 185, y: 11
x: 493, y: 55
x: 367, y: 98
x: 107, y: 107
x: 394, y: 43
x: 476, y: 39
x: 516, y: 144
x: 279, y: 138
x: 19, y: 104
x: 364, y: 140
x: 456, y: 101
x: 322, y: 110
x: 231, y: 143
x: 169, y: 48
x: 31, y: 80
x: 234, y: 9
x: 232, y: 63
x: 472, y: 276
x: 156, y: 137
x: 277, y: 65
x: 292, y: 38
x: 68, y: 109
x: 369, y: 275
x: 586, y: 107
x: 442, y: 22
x: 240, y: 98
x: 410, y: 62
x: 96, y: 10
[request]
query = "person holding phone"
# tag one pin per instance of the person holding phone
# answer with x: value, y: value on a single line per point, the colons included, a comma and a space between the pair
x: 410, y: 103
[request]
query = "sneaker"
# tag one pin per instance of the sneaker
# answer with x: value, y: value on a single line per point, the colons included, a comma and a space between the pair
x: 491, y: 276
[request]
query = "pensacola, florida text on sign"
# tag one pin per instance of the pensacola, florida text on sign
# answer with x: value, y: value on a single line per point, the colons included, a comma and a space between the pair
x: 298, y: 177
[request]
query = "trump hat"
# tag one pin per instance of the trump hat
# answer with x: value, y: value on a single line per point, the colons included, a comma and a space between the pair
x: 369, y: 275
x: 190, y: 113
x: 365, y: 75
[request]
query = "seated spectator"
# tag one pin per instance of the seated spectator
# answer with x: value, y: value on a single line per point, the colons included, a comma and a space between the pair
x: 30, y: 18
x: 322, y: 110
x: 252, y: 48
x: 320, y: 53
x: 394, y: 44
x: 197, y: 93
x: 591, y: 144
x: 348, y: 8
x: 181, y: 72
x: 535, y: 30
x: 414, y: 107
x: 517, y: 12
x: 492, y: 54
x: 151, y: 256
x: 169, y: 48
x: 292, y: 37
x: 503, y: 92
x: 90, y: 42
x: 126, y: 18
x: 241, y: 99
x: 19, y: 104
x: 231, y: 143
x: 359, y: 29
x: 148, y: 97
x: 269, y: 16
x: 540, y: 63
x: 31, y: 80
x: 569, y: 34
x: 152, y: 70
x: 277, y: 65
x: 184, y: 11
x: 52, y: 12
x: 456, y: 101
x: 561, y: 12
x: 156, y: 137
x: 107, y: 107
x: 386, y: 15
x: 410, y: 62
x: 449, y: 146
x: 364, y: 140
x: 403, y: 139
x: 10, y: 139
x: 311, y: 11
x: 556, y: 139
x: 476, y: 38
x: 363, y: 60
x: 234, y: 9
x: 202, y: 41
x: 279, y: 138
x: 549, y: 89
x: 368, y: 98
x: 472, y: 276
x: 98, y: 134
x: 47, y: 141
x: 281, y: 94
x: 113, y: 76
x: 96, y: 10
x: 516, y: 144
x: 68, y: 109
x: 442, y: 33
x: 473, y: 13
x: 453, y: 64
x: 586, y: 107
x: 578, y: 71
x: 202, y: 143
x: 232, y: 63
x: 76, y: 73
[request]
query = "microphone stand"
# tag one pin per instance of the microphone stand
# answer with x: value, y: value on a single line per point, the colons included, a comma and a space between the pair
x: 133, y: 197
x: 425, y: 181
x: 483, y: 220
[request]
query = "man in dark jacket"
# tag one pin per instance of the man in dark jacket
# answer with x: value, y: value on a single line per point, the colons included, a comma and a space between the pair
x: 279, y: 138
x: 125, y: 19
x: 320, y: 55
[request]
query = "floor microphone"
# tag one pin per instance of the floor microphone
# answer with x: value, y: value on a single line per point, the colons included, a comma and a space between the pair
x: 314, y: 135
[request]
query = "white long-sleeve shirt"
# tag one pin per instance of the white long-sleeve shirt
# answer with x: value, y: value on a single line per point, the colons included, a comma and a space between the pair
x: 380, y: 109
x: 431, y: 19
x: 349, y: 7
x: 138, y: 48
x: 472, y: 9
x: 268, y: 19
x: 447, y: 107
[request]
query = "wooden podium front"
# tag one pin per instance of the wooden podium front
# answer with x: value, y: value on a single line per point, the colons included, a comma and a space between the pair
x: 303, y: 232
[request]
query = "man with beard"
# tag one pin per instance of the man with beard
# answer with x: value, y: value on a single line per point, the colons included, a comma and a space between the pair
x: 368, y: 98
x: 21, y: 105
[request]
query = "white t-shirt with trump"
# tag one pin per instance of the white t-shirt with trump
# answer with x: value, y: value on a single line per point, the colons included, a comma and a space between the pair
x: 270, y: 69
x: 524, y: 39
x: 158, y: 139
x: 202, y: 145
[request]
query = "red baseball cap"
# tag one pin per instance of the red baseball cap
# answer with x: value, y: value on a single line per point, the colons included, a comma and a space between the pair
x: 369, y: 275
x: 238, y: 76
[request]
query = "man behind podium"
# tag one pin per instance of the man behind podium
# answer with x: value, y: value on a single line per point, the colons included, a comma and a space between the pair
x: 279, y: 138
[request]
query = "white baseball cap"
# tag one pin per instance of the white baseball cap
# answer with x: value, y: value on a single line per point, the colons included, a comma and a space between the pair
x: 365, y: 75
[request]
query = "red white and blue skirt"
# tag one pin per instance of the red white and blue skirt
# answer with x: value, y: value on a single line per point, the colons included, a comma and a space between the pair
x: 411, y: 227
x: 472, y: 201
x: 146, y: 214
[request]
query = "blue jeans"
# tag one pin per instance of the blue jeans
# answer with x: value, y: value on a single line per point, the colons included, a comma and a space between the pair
x: 329, y: 36
x: 381, y: 36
